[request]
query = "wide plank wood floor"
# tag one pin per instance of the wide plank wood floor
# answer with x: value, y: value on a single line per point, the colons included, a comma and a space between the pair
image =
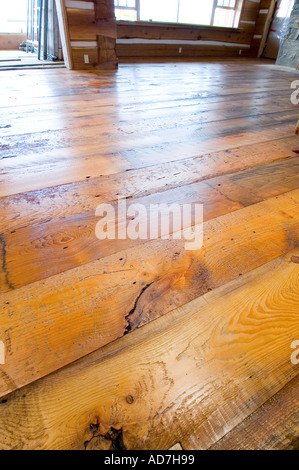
x: 141, y: 344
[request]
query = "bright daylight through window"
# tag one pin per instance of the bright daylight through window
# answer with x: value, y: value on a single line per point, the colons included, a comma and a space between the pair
x: 13, y: 16
x: 202, y: 12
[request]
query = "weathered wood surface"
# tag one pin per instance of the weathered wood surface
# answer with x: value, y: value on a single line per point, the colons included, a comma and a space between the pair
x: 74, y: 313
x: 21, y: 210
x: 196, y: 369
x: 274, y: 426
x: 217, y: 133
x: 58, y: 243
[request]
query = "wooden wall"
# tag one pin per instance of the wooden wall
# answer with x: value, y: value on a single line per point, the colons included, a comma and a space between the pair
x: 144, y: 39
x: 11, y: 42
x: 89, y: 33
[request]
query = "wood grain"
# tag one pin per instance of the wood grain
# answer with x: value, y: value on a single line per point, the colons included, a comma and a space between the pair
x: 73, y: 313
x: 35, y: 207
x: 71, y: 242
x: 216, y: 132
x: 280, y: 425
x: 212, y: 363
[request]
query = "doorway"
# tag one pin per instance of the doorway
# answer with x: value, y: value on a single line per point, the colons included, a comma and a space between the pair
x: 29, y: 34
x: 277, y: 28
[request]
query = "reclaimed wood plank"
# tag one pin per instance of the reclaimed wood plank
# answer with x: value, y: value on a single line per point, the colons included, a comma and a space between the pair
x: 279, y: 417
x: 51, y: 323
x: 205, y: 367
x: 35, y: 207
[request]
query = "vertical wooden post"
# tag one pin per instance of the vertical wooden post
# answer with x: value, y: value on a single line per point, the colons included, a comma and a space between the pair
x: 105, y: 19
x: 102, y: 28
x: 267, y: 27
x: 104, y: 10
x: 64, y: 33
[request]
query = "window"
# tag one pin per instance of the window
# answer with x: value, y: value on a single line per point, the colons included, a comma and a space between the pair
x: 225, y: 13
x: 126, y: 10
x: 203, y: 12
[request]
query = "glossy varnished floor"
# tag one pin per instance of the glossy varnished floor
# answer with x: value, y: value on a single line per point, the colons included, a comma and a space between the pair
x: 143, y: 345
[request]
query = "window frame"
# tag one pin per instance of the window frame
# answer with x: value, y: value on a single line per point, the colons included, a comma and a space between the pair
x: 136, y: 8
x: 236, y: 20
x: 236, y: 9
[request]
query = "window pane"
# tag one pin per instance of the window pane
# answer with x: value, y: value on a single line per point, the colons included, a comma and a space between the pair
x: 182, y: 11
x: 224, y: 17
x: 226, y: 3
x: 125, y: 15
x: 285, y: 9
x: 159, y: 10
x: 125, y: 3
x: 196, y: 11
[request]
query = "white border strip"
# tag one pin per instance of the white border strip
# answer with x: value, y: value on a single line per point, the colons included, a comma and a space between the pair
x: 247, y: 22
x: 84, y: 44
x: 79, y: 5
x: 182, y: 42
x: 264, y: 12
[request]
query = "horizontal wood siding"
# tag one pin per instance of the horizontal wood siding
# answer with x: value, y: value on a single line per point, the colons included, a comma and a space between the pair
x: 88, y: 23
x: 146, y: 39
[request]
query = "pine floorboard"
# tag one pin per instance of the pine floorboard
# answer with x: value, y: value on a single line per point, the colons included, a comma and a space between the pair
x: 141, y: 341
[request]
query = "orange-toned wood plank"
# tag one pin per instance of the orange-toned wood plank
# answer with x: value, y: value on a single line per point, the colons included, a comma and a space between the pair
x: 203, y: 368
x: 53, y: 247
x: 49, y: 324
x: 164, y: 146
x: 55, y: 203
x: 269, y: 181
x: 159, y: 114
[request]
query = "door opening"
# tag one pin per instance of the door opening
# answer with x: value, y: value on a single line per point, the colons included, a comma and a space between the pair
x: 277, y: 28
x: 29, y: 33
